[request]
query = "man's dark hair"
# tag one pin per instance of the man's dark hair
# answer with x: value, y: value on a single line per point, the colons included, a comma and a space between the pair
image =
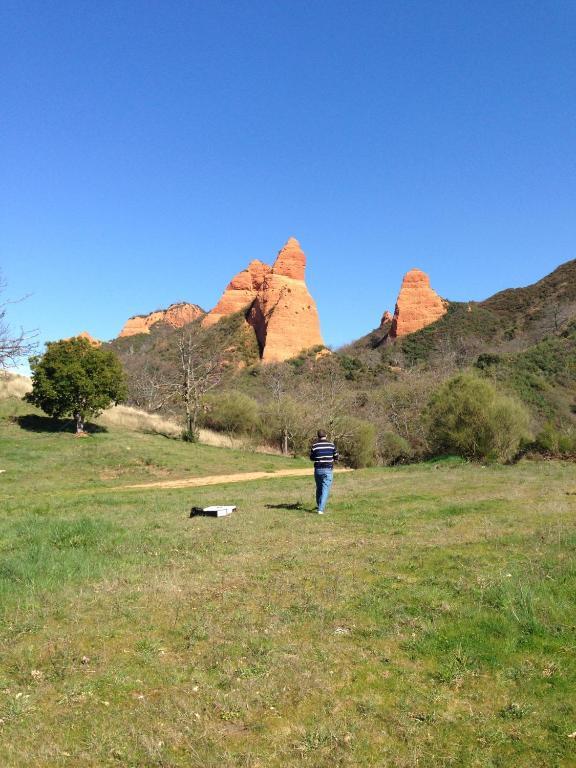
x: 321, y: 434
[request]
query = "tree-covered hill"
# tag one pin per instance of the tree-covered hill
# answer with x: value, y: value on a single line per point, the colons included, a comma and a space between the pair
x: 523, y: 340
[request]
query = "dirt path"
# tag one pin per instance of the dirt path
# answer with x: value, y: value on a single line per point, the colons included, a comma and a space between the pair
x: 239, y: 477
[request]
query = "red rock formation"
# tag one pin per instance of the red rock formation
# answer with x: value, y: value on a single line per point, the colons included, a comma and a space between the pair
x: 284, y: 314
x: 85, y: 335
x: 418, y: 305
x: 387, y: 317
x: 291, y: 261
x: 277, y: 303
x: 177, y: 315
x: 240, y: 292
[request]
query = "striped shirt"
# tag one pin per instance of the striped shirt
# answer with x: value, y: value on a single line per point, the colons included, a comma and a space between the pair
x: 323, y: 453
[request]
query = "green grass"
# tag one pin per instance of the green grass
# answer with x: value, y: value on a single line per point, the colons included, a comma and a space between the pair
x: 55, y: 459
x: 427, y: 620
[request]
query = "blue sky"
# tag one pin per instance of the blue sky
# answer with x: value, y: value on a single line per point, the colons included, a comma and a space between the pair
x: 151, y: 149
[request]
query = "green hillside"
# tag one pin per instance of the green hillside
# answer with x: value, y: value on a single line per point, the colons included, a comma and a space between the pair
x: 543, y: 376
x: 524, y: 338
x: 373, y: 393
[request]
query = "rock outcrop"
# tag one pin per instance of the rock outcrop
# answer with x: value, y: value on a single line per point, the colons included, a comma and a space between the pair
x: 85, y: 335
x: 284, y: 314
x: 277, y: 304
x: 418, y: 305
x: 179, y: 315
x: 240, y: 292
x: 387, y: 317
x: 176, y: 316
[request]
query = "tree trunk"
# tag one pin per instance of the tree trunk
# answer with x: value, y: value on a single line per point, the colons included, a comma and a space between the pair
x: 191, y: 423
x: 79, y: 424
x: 285, y: 441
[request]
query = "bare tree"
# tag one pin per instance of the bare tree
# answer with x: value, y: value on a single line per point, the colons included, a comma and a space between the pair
x: 197, y: 370
x: 13, y: 345
x: 301, y: 402
x: 148, y: 388
x: 284, y: 414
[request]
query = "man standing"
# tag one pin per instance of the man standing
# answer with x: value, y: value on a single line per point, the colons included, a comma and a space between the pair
x: 323, y: 453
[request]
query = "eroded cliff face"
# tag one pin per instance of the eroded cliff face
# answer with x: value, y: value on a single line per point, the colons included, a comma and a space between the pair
x: 275, y: 300
x: 177, y: 315
x: 278, y: 305
x: 284, y: 314
x: 418, y: 305
x: 240, y: 292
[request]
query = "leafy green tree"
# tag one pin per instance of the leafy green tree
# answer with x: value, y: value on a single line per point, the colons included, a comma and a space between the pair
x: 74, y: 378
x: 467, y: 416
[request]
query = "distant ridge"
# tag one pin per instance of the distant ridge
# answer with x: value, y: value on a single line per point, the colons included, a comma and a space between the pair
x: 177, y: 315
x: 510, y: 320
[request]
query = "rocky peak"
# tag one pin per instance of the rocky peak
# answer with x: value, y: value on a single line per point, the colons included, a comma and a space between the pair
x: 387, y: 317
x: 418, y: 305
x: 278, y: 305
x: 284, y: 314
x: 291, y: 261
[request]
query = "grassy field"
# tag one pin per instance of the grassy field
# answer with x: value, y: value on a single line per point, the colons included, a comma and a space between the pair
x: 428, y: 620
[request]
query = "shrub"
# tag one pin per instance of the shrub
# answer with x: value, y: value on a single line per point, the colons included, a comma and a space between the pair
x: 231, y: 412
x: 468, y: 417
x: 393, y: 449
x: 553, y: 442
x: 357, y: 446
x: 351, y: 366
x: 487, y: 360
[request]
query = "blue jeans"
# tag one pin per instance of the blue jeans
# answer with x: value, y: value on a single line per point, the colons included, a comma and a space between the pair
x: 323, y: 478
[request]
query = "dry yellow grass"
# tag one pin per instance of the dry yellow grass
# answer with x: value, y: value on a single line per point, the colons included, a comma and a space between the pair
x: 125, y: 417
x: 13, y: 385
x: 134, y: 420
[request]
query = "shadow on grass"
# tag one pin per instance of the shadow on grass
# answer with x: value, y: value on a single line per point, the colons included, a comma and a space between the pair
x: 297, y: 506
x: 167, y: 435
x: 33, y: 423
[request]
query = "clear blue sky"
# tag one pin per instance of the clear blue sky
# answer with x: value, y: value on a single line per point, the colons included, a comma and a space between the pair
x: 151, y: 149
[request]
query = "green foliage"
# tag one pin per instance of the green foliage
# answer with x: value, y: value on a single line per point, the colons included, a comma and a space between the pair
x: 351, y: 366
x: 73, y: 377
x: 393, y: 449
x: 551, y: 441
x: 235, y: 339
x: 232, y: 412
x: 190, y: 435
x: 470, y: 418
x: 305, y: 358
x: 357, y: 446
x: 486, y: 361
x: 543, y: 376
